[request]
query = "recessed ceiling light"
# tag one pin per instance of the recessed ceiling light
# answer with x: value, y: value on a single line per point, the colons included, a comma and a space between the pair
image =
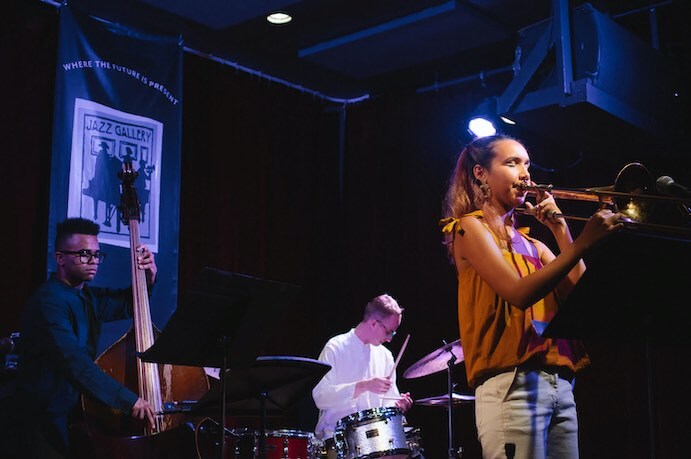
x: 279, y: 18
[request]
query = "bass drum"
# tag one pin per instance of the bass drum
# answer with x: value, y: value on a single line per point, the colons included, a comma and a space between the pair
x: 280, y: 444
x: 244, y: 443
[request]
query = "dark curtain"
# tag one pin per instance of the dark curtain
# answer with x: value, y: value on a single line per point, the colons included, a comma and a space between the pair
x: 28, y: 44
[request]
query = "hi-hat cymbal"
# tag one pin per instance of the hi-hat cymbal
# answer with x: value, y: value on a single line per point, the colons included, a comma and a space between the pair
x: 436, y: 361
x: 443, y: 400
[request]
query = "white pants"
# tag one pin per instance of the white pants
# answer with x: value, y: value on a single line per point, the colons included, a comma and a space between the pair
x: 531, y: 412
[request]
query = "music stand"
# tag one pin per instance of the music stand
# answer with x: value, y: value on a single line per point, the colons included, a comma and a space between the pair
x: 274, y: 381
x: 631, y: 291
x: 270, y: 382
x: 223, y: 320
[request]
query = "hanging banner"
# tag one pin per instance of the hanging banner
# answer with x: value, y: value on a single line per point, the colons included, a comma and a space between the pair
x: 118, y: 99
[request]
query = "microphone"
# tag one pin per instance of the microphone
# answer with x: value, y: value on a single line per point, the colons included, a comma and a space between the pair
x: 666, y: 185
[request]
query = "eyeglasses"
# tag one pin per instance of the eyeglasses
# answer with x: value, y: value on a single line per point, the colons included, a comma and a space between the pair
x: 85, y: 256
x: 389, y: 333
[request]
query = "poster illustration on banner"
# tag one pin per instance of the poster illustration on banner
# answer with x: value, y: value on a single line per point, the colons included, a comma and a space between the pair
x: 102, y: 140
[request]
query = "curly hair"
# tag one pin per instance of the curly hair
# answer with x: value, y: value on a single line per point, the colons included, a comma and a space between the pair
x: 72, y: 226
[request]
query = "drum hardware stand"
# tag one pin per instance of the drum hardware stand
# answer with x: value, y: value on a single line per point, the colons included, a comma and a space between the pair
x: 436, y: 362
x: 449, y: 365
x: 263, y: 397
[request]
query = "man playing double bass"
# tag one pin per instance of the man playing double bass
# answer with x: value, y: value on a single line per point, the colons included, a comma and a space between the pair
x: 60, y: 329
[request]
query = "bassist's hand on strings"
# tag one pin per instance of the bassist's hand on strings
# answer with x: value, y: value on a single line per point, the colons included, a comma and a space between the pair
x: 143, y: 409
x: 146, y: 261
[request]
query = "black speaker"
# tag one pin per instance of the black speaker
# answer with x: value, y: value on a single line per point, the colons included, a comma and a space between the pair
x: 621, y: 87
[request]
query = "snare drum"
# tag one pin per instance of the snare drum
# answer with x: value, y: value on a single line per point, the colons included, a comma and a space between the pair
x: 373, y: 433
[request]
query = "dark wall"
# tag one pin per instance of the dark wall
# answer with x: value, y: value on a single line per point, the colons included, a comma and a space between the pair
x: 265, y: 193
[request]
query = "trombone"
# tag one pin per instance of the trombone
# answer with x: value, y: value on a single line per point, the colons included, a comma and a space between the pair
x: 631, y: 196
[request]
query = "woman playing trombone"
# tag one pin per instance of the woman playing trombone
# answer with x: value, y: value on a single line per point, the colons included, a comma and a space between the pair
x: 509, y: 287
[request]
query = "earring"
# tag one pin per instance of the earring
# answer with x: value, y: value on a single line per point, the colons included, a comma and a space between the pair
x: 484, y: 188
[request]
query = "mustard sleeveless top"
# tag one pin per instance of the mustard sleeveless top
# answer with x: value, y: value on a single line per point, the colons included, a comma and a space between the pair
x: 496, y: 336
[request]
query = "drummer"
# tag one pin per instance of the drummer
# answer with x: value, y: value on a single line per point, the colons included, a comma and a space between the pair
x: 361, y: 375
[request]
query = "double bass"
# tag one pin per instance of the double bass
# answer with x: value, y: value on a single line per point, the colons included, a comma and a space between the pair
x: 116, y: 434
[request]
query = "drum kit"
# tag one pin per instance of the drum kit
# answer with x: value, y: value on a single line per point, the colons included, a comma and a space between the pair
x: 223, y: 320
x: 380, y: 432
x: 222, y: 324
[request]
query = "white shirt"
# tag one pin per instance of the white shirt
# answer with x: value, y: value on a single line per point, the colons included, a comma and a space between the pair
x: 351, y: 361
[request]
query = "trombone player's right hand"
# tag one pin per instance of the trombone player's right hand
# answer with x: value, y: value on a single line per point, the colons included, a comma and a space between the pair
x: 546, y: 210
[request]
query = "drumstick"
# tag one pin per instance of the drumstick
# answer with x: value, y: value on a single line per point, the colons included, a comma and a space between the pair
x: 400, y: 354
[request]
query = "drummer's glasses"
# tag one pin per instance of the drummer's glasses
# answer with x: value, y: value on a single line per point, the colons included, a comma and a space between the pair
x: 389, y: 333
x: 85, y: 256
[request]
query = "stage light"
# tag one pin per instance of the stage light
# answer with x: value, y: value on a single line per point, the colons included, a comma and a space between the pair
x: 484, y: 120
x: 279, y: 18
x: 481, y: 127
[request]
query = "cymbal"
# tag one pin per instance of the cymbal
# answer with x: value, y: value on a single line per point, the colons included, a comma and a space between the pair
x: 436, y: 361
x: 443, y: 400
